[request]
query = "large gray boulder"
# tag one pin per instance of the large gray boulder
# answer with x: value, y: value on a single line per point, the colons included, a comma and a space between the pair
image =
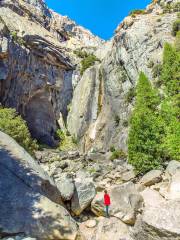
x: 125, y: 202
x: 152, y: 177
x: 83, y: 195
x: 28, y: 197
x: 160, y: 222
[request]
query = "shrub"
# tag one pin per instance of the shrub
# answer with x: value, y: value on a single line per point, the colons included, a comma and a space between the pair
x: 135, y: 12
x: 156, y: 71
x: 116, y: 120
x: 150, y: 64
x: 176, y: 27
x: 125, y: 123
x: 130, y: 95
x: 67, y: 142
x: 118, y: 154
x: 145, y: 129
x: 80, y: 53
x: 88, y: 62
x: 13, y: 125
x: 112, y: 149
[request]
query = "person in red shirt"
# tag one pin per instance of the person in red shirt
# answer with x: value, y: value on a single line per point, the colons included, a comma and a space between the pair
x: 107, y: 202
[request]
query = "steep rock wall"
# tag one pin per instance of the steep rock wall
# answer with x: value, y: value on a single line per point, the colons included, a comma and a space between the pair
x: 138, y: 42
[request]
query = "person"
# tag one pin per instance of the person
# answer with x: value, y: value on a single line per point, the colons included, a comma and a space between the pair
x: 107, y: 202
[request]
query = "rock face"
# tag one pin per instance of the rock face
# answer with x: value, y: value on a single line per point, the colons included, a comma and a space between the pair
x: 36, y: 67
x: 29, y: 197
x: 159, y: 222
x: 138, y: 41
x: 125, y: 203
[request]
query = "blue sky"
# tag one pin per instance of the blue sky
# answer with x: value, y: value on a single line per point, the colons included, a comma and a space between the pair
x: 100, y: 16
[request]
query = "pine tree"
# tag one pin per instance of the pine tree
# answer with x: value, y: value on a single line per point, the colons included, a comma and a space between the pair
x: 146, y: 128
x: 170, y: 109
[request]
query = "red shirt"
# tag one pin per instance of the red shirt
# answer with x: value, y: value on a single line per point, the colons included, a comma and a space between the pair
x: 107, y: 200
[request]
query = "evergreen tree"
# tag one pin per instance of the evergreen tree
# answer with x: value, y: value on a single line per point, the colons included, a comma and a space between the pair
x: 170, y: 109
x: 146, y: 129
x: 170, y: 75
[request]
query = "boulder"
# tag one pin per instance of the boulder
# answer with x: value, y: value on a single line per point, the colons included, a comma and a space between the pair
x: 173, y: 191
x: 125, y: 202
x: 172, y: 167
x: 18, y: 161
x: 151, y: 197
x: 27, y: 194
x: 91, y: 223
x: 151, y: 178
x: 160, y: 222
x: 66, y: 187
x: 111, y: 228
x: 83, y: 195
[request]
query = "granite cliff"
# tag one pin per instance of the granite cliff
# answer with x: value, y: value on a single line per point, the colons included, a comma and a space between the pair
x: 64, y: 80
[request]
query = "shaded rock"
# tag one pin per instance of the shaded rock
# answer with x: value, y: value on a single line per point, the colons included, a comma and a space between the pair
x: 125, y: 202
x: 26, y: 193
x: 151, y: 178
x: 18, y: 161
x: 160, y: 222
x: 83, y: 195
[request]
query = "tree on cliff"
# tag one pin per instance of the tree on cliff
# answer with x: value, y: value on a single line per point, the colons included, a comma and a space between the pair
x: 145, y: 134
x: 170, y: 78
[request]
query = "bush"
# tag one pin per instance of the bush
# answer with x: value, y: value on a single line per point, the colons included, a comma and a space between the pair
x: 67, y: 142
x: 135, y: 12
x: 144, y: 137
x: 13, y: 125
x: 156, y: 71
x: 80, y: 53
x: 88, y: 62
x: 112, y: 149
x: 118, y: 154
x: 116, y: 120
x: 176, y: 27
x: 130, y: 95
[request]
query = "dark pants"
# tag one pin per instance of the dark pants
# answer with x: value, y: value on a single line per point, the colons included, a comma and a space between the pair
x: 107, y: 211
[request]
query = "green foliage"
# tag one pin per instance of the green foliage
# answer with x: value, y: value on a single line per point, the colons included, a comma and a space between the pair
x: 80, y: 53
x: 177, y: 42
x: 67, y: 142
x: 130, y: 95
x: 135, y: 12
x: 112, y: 149
x: 17, y: 39
x: 170, y: 75
x: 125, y: 123
x: 176, y: 27
x: 116, y: 120
x: 144, y: 139
x: 156, y: 71
x: 87, y: 62
x: 150, y: 64
x: 170, y: 108
x: 116, y: 154
x: 12, y: 124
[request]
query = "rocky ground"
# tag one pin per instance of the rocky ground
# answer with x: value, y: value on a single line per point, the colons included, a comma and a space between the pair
x: 40, y: 191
